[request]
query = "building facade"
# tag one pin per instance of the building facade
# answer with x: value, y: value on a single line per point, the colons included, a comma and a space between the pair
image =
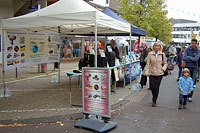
x: 184, y: 31
x: 13, y: 8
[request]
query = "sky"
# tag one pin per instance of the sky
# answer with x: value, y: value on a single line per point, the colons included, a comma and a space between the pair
x: 184, y: 9
x: 178, y: 9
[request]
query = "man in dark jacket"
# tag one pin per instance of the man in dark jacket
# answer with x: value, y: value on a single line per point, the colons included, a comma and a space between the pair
x: 144, y: 54
x: 191, y: 57
x: 179, y: 61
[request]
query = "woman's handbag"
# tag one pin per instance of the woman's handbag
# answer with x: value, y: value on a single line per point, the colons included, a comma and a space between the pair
x: 170, y: 67
x: 166, y: 71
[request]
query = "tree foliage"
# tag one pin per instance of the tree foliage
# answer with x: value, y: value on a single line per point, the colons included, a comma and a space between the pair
x: 149, y: 15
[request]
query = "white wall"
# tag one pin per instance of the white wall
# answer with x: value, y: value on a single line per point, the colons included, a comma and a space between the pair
x: 6, y: 11
x: 101, y: 2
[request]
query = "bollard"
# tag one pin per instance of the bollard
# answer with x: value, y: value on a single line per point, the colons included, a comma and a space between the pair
x: 44, y: 68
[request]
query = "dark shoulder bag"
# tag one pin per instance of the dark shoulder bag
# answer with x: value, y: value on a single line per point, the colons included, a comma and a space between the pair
x: 166, y: 71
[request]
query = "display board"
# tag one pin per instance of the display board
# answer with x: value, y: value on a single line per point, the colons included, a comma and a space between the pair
x: 96, y: 91
x: 135, y: 71
x: 23, y: 48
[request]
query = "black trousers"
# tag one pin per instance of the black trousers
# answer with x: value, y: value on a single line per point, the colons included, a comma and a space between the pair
x: 154, y: 82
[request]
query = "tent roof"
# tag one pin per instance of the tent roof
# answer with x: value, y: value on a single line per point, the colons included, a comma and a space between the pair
x: 134, y: 29
x: 72, y: 16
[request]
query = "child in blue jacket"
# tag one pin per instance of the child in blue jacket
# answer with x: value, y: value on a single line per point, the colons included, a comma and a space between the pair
x: 185, y: 86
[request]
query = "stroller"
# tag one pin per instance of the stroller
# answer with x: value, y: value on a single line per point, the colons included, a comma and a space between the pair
x: 170, y: 66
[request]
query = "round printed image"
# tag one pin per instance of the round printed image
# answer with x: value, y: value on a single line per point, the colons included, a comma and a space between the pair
x: 35, y: 48
x: 22, y: 54
x: 51, y: 52
x: 16, y: 48
x: 96, y: 87
x: 10, y: 48
x: 11, y: 38
x: 9, y: 55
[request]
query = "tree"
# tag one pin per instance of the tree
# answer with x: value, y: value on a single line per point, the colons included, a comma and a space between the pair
x: 149, y: 15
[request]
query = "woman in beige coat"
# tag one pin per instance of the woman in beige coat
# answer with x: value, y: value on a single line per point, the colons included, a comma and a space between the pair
x: 155, y: 67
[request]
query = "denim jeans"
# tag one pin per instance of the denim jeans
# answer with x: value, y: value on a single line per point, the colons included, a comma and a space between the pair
x: 179, y: 72
x: 194, y: 72
x: 182, y: 99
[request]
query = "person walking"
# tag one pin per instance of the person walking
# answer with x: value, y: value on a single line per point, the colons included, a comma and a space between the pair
x: 143, y: 56
x: 191, y: 57
x: 185, y: 86
x: 155, y: 67
x: 180, y: 62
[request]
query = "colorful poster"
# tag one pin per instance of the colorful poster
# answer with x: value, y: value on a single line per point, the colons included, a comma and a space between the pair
x: 15, y: 49
x: 135, y: 71
x: 127, y: 73
x: 53, y: 47
x: 36, y: 48
x: 24, y: 48
x: 96, y: 91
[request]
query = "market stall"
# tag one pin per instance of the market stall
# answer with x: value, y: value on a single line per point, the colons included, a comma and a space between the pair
x: 69, y: 17
x: 72, y: 18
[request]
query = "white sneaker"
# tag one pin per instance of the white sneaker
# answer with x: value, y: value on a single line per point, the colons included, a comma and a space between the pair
x: 195, y: 86
x: 190, y: 99
x: 139, y: 85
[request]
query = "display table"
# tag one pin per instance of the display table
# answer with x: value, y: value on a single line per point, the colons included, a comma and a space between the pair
x: 70, y: 74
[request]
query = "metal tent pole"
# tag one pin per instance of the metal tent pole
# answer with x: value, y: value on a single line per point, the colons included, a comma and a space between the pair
x: 95, y: 65
x: 16, y: 72
x: 59, y: 56
x: 130, y: 57
x: 3, y: 62
x: 82, y: 47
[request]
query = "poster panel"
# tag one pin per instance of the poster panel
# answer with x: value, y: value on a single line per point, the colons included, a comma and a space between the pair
x: 138, y: 69
x: 127, y: 73
x: 96, y: 91
x: 133, y: 71
x: 24, y: 48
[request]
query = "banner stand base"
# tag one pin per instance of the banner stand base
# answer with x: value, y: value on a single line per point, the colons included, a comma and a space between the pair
x: 7, y: 93
x: 96, y: 125
x: 135, y: 87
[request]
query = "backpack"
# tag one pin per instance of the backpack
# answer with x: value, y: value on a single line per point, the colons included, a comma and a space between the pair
x: 166, y: 51
x: 81, y: 64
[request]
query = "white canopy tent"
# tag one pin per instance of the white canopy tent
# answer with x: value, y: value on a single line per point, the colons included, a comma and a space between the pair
x: 72, y: 16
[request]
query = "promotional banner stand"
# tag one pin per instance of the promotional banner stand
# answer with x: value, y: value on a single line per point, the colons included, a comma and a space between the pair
x: 96, y: 125
x: 96, y: 100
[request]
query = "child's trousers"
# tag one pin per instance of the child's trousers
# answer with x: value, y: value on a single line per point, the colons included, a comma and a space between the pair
x: 183, y: 99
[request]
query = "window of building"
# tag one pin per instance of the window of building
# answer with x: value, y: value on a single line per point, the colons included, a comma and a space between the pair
x: 195, y: 28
